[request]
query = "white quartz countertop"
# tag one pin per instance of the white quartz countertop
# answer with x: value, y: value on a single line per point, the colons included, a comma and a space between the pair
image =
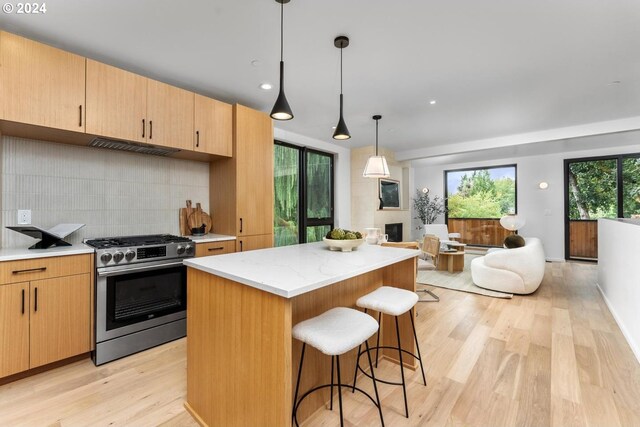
x: 208, y: 238
x: 14, y: 254
x: 290, y: 271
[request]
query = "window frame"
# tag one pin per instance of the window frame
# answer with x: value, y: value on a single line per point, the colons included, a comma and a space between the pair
x: 303, y: 220
x: 446, y: 187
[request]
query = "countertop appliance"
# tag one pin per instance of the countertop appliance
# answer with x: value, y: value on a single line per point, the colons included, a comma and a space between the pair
x: 141, y: 293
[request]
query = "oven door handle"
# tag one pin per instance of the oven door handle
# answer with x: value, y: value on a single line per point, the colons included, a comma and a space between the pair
x: 127, y: 270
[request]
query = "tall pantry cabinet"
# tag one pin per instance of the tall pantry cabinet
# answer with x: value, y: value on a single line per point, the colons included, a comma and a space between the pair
x: 242, y: 187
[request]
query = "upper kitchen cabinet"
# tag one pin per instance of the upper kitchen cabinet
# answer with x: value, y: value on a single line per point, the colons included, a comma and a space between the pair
x: 241, y: 188
x: 41, y: 85
x: 116, y: 102
x: 213, y: 126
x: 170, y: 115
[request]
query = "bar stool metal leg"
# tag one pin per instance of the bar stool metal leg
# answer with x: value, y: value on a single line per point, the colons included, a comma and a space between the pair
x: 373, y: 378
x: 331, y: 404
x: 415, y: 336
x: 378, y: 339
x: 404, y: 386
x: 339, y: 391
x: 295, y: 397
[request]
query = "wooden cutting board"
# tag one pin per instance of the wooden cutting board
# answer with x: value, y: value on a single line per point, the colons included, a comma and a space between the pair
x: 199, y: 217
x: 184, y: 214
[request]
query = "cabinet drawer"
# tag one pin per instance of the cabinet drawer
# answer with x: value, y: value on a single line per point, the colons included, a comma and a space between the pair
x: 44, y: 268
x: 215, y: 248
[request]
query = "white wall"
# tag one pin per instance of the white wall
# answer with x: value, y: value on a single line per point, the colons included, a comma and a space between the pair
x: 618, y: 273
x: 543, y: 209
x: 114, y: 193
x: 342, y: 165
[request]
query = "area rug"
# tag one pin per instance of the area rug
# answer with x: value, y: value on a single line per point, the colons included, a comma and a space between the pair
x: 459, y: 281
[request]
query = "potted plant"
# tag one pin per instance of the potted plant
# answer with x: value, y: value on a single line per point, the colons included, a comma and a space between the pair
x: 428, y: 209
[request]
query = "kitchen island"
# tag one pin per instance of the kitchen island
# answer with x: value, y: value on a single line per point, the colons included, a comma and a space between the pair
x: 242, y: 362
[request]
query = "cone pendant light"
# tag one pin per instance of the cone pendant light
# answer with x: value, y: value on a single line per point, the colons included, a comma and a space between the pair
x: 281, y: 109
x: 376, y: 166
x: 341, y: 131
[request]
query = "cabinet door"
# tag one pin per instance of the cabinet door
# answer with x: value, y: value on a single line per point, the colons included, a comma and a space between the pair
x: 213, y: 126
x: 215, y: 248
x: 254, y: 163
x: 41, y: 85
x: 60, y: 323
x: 250, y: 243
x: 170, y: 115
x: 14, y: 328
x: 116, y: 102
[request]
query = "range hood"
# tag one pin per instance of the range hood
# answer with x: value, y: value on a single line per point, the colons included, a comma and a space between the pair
x: 134, y: 147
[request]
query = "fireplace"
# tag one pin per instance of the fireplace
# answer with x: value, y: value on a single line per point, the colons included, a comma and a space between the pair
x: 394, y: 231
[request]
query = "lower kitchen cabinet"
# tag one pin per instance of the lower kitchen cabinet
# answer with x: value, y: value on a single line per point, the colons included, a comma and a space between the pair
x: 215, y: 248
x: 250, y: 243
x: 14, y: 328
x: 60, y: 311
x: 44, y: 319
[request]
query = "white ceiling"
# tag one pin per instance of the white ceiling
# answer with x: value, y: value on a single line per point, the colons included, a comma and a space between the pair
x: 495, y: 67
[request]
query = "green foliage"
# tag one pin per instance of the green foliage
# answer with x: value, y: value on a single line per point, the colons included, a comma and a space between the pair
x: 427, y: 209
x: 593, y: 189
x: 480, y: 196
x: 631, y: 186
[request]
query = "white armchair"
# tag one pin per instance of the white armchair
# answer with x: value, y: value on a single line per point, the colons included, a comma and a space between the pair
x: 517, y: 271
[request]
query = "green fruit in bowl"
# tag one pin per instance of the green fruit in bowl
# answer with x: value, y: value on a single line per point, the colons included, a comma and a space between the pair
x: 337, y: 234
x: 358, y: 235
x: 350, y: 235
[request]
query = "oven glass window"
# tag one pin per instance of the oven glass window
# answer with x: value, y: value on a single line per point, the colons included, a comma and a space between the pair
x: 136, y: 297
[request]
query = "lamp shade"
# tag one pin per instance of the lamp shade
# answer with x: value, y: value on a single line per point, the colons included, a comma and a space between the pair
x: 512, y: 222
x: 376, y: 167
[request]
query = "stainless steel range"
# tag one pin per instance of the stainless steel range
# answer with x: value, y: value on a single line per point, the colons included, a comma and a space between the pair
x: 141, y: 293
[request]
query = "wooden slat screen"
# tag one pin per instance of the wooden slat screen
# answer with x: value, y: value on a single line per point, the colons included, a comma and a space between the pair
x: 583, y: 239
x: 486, y: 232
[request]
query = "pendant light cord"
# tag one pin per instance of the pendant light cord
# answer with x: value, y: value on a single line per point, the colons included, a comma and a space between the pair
x: 341, y: 69
x: 376, y: 138
x: 281, y: 31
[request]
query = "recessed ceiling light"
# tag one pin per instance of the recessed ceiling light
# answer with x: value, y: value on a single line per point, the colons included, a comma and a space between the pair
x: 432, y: 102
x: 614, y: 83
x: 333, y: 127
x: 266, y: 86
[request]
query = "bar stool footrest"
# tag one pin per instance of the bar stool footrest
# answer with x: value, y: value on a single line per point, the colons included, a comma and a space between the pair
x: 379, y: 347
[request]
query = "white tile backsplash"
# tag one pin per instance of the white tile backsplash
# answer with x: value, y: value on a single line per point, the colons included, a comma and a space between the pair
x: 113, y: 193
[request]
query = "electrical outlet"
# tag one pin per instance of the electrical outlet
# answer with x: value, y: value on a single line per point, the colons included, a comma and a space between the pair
x: 24, y: 216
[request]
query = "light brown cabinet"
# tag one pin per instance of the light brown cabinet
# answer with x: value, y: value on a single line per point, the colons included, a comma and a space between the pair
x: 116, y: 102
x: 41, y: 85
x: 47, y: 316
x: 127, y: 106
x: 244, y: 207
x: 14, y: 328
x: 213, y: 126
x: 250, y: 243
x: 215, y: 248
x: 170, y: 115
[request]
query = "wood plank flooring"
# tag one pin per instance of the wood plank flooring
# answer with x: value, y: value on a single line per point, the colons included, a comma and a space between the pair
x: 554, y: 358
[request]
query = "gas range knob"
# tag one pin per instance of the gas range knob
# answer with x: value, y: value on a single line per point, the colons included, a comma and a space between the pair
x: 129, y: 255
x: 180, y: 249
x: 190, y: 249
x: 105, y: 258
x: 117, y: 257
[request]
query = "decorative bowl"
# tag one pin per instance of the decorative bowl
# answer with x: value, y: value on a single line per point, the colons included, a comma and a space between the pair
x: 343, y: 245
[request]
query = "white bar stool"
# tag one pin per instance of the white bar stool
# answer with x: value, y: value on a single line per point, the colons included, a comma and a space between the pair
x: 394, y: 302
x: 334, y: 333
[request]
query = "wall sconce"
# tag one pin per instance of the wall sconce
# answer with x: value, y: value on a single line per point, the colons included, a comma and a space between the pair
x: 543, y: 185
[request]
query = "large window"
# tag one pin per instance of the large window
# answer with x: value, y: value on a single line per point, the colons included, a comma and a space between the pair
x: 481, y: 193
x: 303, y: 184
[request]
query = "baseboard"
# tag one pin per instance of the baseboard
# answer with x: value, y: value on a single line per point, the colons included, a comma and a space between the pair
x: 634, y: 348
x: 194, y: 414
x: 556, y: 260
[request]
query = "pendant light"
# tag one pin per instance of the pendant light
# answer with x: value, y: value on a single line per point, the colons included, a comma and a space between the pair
x: 281, y: 109
x: 376, y: 166
x: 341, y: 131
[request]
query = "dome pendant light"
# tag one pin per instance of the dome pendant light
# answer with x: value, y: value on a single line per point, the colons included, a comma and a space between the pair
x: 281, y: 109
x: 376, y: 166
x: 341, y: 131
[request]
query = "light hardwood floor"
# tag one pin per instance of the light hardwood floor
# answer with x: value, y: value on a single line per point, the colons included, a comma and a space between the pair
x: 554, y: 358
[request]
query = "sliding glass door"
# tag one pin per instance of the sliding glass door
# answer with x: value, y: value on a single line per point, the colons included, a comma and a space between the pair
x: 602, y: 187
x: 303, y: 184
